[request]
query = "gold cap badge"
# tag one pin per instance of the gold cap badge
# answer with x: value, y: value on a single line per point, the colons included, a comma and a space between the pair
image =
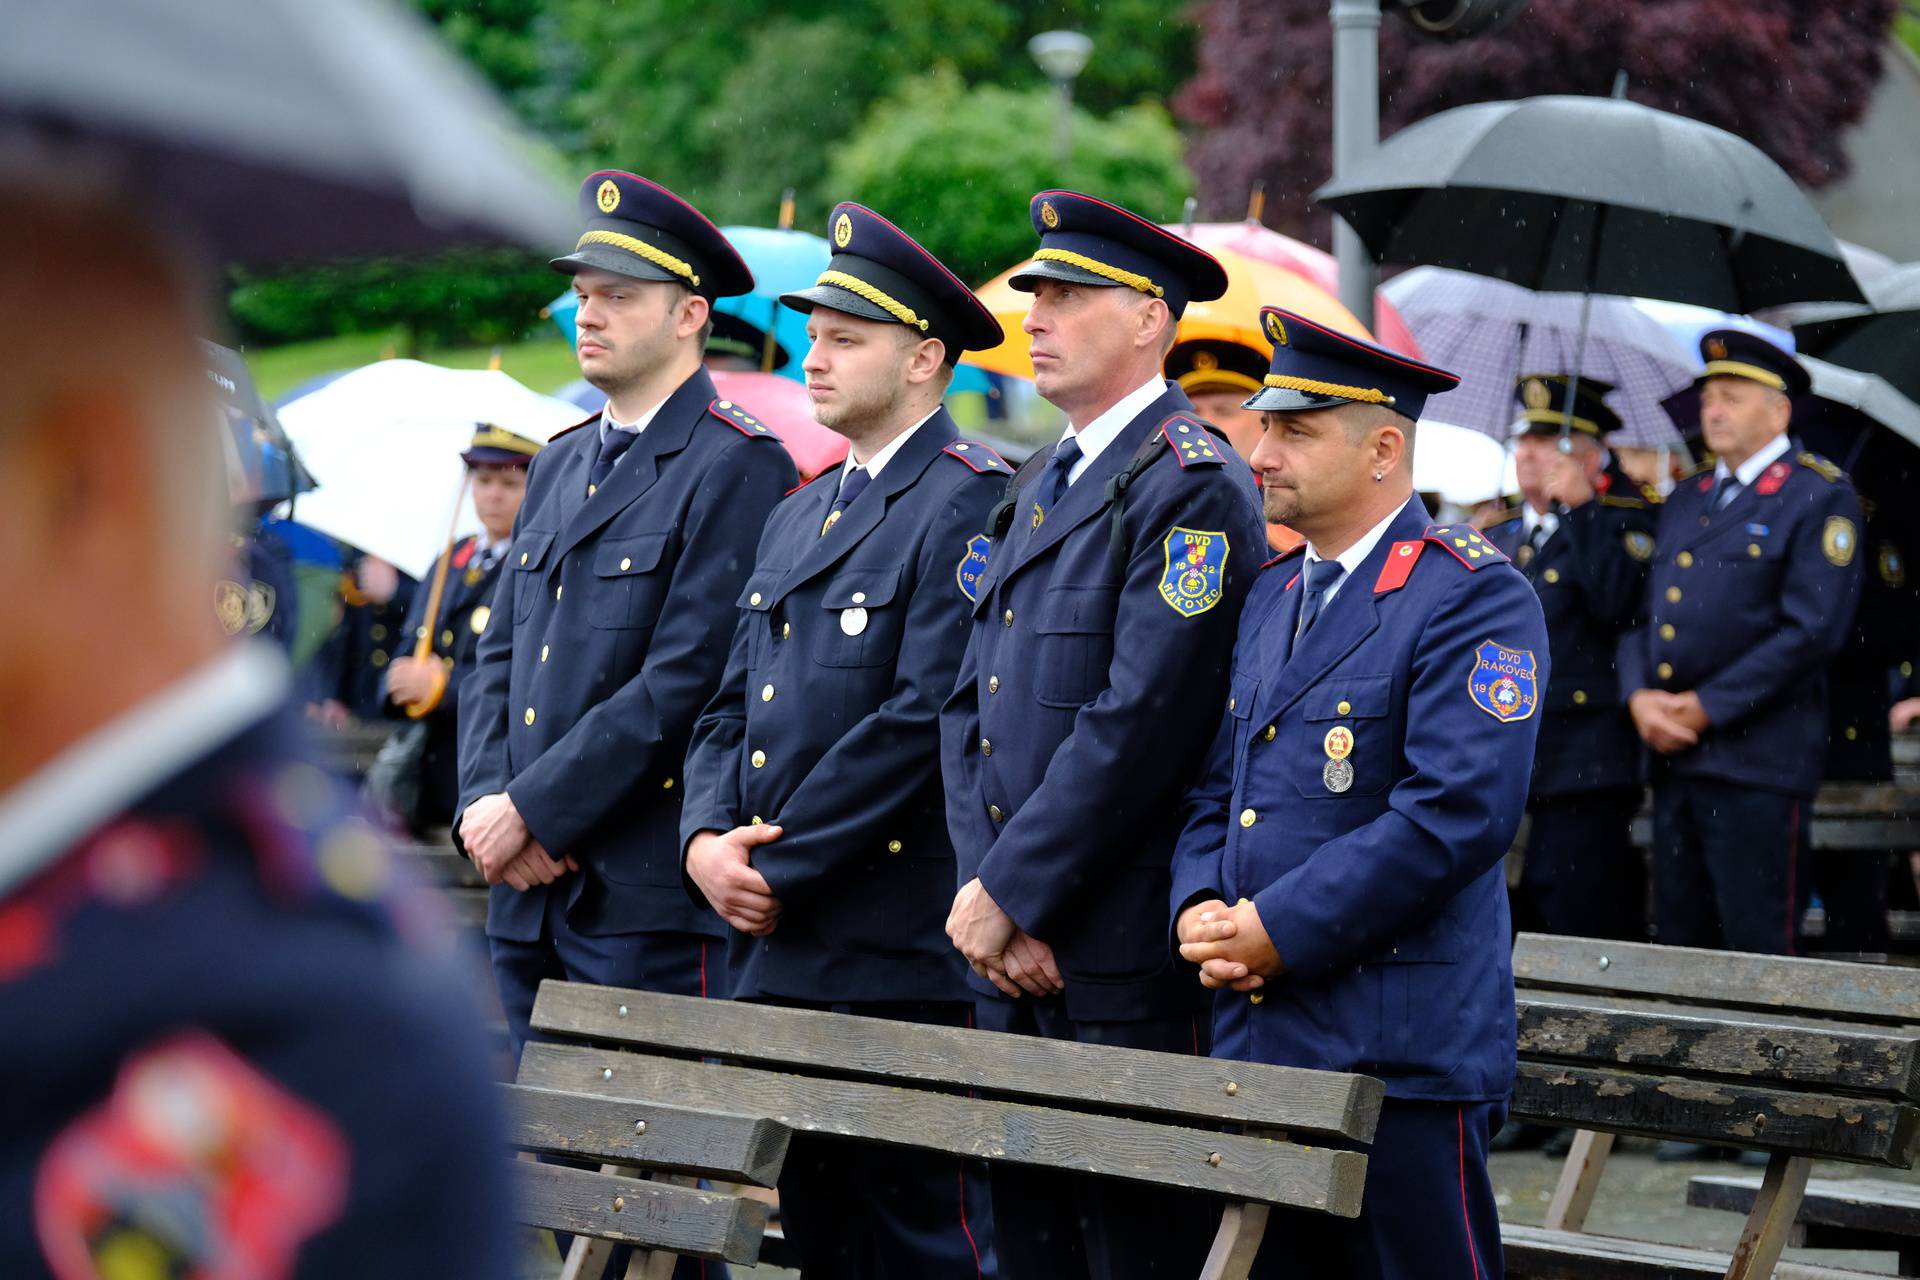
x: 1716, y: 349
x: 608, y: 197
x: 1049, y: 215
x: 1276, y: 331
x: 842, y: 231
x: 1536, y: 394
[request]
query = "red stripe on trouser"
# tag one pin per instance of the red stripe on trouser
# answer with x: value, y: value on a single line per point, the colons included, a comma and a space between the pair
x: 703, y: 993
x: 1793, y: 871
x: 1466, y: 1218
x: 966, y: 1230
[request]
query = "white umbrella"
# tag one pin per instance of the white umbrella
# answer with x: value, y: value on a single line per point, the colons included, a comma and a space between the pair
x: 1464, y: 466
x: 383, y: 444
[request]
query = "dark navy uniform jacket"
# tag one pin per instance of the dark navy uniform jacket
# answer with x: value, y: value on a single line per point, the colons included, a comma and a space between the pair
x: 228, y: 1026
x: 1591, y: 576
x: 1086, y: 697
x: 1386, y: 900
x: 608, y: 636
x: 828, y: 724
x: 466, y: 607
x: 1747, y: 605
x: 1861, y: 681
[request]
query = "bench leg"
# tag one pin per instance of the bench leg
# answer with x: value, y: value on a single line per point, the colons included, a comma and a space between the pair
x: 1242, y: 1226
x: 1579, y: 1181
x: 587, y: 1257
x: 1767, y: 1226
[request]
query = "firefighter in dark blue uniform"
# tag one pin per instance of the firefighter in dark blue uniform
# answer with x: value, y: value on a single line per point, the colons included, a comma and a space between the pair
x: 814, y: 817
x: 1583, y: 536
x: 1754, y: 584
x: 497, y: 460
x: 1097, y: 657
x: 1369, y: 771
x: 609, y: 629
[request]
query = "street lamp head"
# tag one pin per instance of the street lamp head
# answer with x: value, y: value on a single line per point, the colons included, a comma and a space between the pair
x: 1061, y: 54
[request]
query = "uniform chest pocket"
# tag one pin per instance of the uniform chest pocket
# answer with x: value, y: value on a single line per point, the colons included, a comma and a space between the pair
x: 1744, y: 549
x: 860, y: 620
x: 1342, y: 744
x: 629, y: 582
x: 527, y: 562
x: 1074, y: 649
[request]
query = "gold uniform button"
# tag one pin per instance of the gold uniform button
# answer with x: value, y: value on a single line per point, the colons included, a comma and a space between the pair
x: 754, y: 598
x: 894, y: 846
x: 543, y: 653
x: 1231, y: 702
x: 1673, y: 595
x: 986, y: 748
x: 529, y: 716
x: 786, y: 629
x: 1666, y: 631
x: 379, y: 658
x: 1579, y: 697
x: 766, y: 693
x: 667, y: 784
x: 379, y: 632
x: 1852, y: 733
x: 625, y: 564
x: 523, y: 557
x: 1255, y: 997
x: 993, y: 684
x: 1753, y: 549
x: 994, y: 812
x: 446, y: 637
x: 755, y: 820
x: 1248, y: 817
x: 1684, y: 559
x: 1345, y: 708
x: 1270, y: 731
x: 557, y: 591
x: 592, y: 489
x: 859, y: 597
x: 759, y: 759
x: 1664, y: 671
x: 1007, y: 618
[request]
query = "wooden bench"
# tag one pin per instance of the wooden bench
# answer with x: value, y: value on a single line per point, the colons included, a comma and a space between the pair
x: 1800, y: 1059
x: 1858, y: 1213
x: 1249, y: 1134
x: 641, y: 1195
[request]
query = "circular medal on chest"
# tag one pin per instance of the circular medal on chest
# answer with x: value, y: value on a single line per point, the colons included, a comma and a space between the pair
x: 473, y: 575
x: 1339, y: 742
x: 1338, y: 775
x: 853, y: 621
x: 479, y: 617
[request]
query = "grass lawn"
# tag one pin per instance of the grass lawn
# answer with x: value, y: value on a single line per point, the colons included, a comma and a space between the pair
x: 545, y: 364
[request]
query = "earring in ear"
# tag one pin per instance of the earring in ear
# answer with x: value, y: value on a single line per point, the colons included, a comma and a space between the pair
x: 1378, y: 477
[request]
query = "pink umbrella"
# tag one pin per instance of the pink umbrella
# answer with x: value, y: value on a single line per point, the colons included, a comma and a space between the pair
x: 1303, y: 259
x: 786, y: 407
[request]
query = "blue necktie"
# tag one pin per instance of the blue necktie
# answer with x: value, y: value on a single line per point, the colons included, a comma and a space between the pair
x: 850, y: 488
x: 616, y: 443
x: 1321, y: 575
x: 1724, y: 491
x: 1053, y: 485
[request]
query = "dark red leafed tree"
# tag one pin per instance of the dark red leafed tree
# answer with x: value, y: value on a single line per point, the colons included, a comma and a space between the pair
x: 1788, y: 75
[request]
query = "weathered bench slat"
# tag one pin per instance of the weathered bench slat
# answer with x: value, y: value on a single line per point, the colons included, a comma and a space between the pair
x: 615, y: 1131
x: 1862, y: 1130
x: 1248, y: 1168
x: 1540, y: 1254
x: 652, y: 1215
x: 1321, y: 1103
x: 1687, y: 1040
x: 469, y: 907
x: 1880, y: 993
x: 1859, y: 1204
x: 440, y: 864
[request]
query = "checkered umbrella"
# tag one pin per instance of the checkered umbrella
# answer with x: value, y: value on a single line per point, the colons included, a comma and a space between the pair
x: 1491, y: 332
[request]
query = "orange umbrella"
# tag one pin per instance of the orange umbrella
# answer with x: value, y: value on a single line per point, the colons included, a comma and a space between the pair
x: 1233, y: 317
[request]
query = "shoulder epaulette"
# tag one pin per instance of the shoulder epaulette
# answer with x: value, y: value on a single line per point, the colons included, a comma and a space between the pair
x: 1296, y: 550
x: 740, y: 420
x: 1192, y: 443
x: 1631, y: 504
x: 978, y: 456
x: 1821, y: 467
x: 1465, y: 544
x: 1401, y: 557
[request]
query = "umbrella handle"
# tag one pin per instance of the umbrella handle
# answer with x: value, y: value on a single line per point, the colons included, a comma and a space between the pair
x: 423, y: 647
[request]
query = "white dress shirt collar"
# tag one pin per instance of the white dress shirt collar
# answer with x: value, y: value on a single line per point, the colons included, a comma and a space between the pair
x: 1353, y: 557
x: 1105, y: 429
x: 636, y: 427
x: 1749, y: 471
x: 885, y: 455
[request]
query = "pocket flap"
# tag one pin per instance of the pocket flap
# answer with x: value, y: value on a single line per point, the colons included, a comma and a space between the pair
x: 1348, y: 698
x: 618, y: 557
x: 861, y: 588
x: 1241, y: 693
x: 758, y: 594
x: 1077, y: 610
x: 531, y: 551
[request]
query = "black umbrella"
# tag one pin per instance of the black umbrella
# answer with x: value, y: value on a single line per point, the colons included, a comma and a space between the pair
x: 263, y: 466
x: 1596, y: 195
x: 1884, y: 341
x: 279, y: 129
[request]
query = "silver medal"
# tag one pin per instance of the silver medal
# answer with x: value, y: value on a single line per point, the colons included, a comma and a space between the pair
x: 1337, y: 774
x: 853, y: 621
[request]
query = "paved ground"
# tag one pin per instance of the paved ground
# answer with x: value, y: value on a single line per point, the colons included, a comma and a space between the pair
x: 1639, y: 1197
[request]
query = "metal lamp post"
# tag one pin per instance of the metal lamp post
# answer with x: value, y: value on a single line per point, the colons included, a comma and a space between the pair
x: 1063, y: 56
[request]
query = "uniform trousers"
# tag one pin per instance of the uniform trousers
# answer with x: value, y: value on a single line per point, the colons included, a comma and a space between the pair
x: 1582, y: 877
x: 1727, y: 865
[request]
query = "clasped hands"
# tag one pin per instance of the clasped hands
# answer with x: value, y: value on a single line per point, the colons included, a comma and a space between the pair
x: 503, y: 849
x: 1667, y: 722
x: 1230, y: 944
x: 998, y: 949
x: 721, y: 863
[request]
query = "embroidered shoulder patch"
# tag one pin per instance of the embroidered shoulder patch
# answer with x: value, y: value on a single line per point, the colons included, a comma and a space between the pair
x: 1639, y: 544
x: 1195, y: 576
x: 739, y: 419
x: 977, y: 456
x: 1504, y: 682
x: 1192, y: 442
x: 1466, y: 545
x: 1839, y: 540
x: 973, y: 564
x: 1820, y: 466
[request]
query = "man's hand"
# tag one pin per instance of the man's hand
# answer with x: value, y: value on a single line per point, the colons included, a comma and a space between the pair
x: 1686, y: 710
x: 1028, y: 963
x: 408, y: 680
x: 1230, y: 944
x: 493, y: 833
x: 533, y: 866
x: 721, y: 863
x: 1656, y: 717
x: 1567, y: 483
x: 1903, y: 713
x: 981, y: 932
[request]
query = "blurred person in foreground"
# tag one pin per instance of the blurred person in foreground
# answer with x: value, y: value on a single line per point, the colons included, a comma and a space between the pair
x: 230, y: 1048
x: 1218, y: 376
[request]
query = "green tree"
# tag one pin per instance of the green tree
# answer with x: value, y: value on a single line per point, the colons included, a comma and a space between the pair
x: 956, y: 167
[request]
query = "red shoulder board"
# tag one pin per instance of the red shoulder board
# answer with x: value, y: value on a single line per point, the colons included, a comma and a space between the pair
x: 978, y: 456
x: 1706, y: 482
x: 1297, y: 549
x: 1401, y: 557
x: 1466, y: 545
x: 1192, y: 442
x: 1772, y: 478
x: 584, y: 422
x: 739, y: 419
x: 464, y: 552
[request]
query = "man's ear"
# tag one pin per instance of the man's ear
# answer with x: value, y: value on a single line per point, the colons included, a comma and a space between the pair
x: 698, y: 309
